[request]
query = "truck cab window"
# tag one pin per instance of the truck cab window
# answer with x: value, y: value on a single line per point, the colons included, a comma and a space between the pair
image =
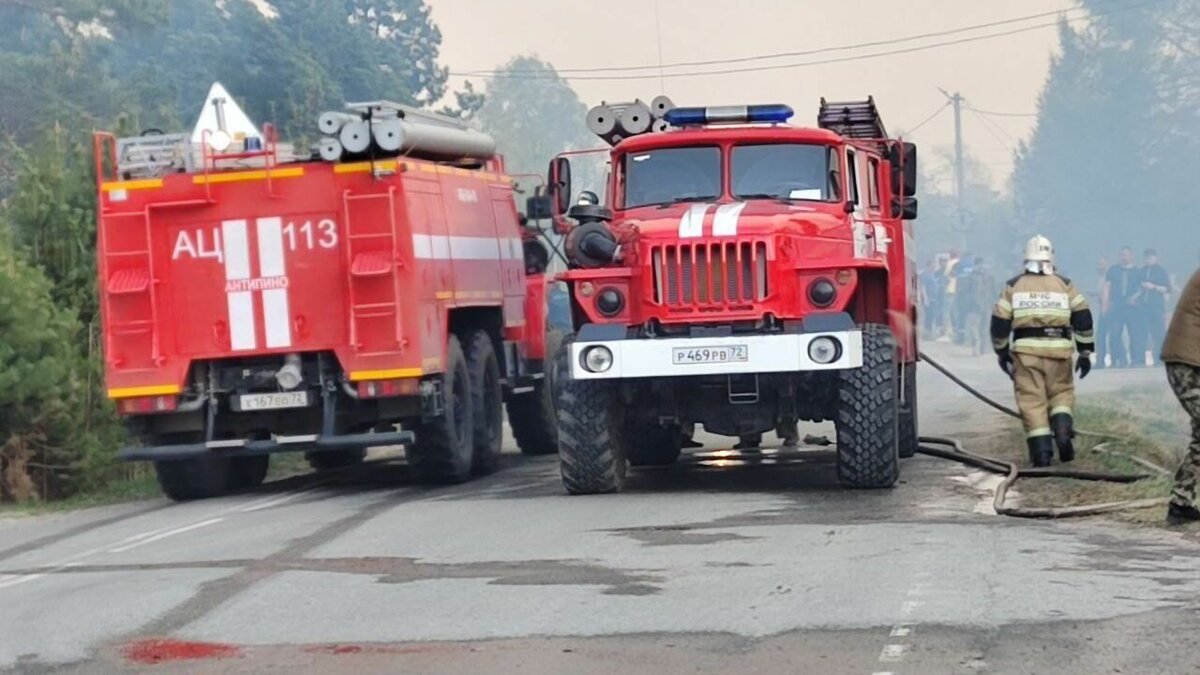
x: 873, y: 184
x: 852, y: 176
x: 671, y: 175
x: 781, y: 171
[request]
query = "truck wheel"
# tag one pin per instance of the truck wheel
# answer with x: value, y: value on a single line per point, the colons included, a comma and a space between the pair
x: 653, y: 444
x: 908, y: 413
x: 531, y: 415
x: 200, y: 478
x: 868, y: 446
x: 444, y: 447
x: 487, y: 408
x: 248, y: 472
x: 328, y: 461
x: 590, y: 454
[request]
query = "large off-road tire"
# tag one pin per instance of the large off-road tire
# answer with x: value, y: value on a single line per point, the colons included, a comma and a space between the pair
x: 336, y: 459
x: 868, y: 448
x: 907, y: 413
x: 590, y: 453
x: 444, y: 448
x: 532, y: 415
x: 487, y: 401
x: 652, y: 444
x: 248, y: 472
x: 201, y: 478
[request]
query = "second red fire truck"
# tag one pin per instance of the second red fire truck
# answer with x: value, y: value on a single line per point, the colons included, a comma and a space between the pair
x: 743, y: 274
x: 259, y: 300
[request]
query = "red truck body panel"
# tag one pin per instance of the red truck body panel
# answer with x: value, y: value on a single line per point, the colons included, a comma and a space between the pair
x: 364, y: 260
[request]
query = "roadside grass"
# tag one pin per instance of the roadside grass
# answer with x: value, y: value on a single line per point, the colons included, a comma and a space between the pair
x: 1149, y: 424
x: 136, y: 482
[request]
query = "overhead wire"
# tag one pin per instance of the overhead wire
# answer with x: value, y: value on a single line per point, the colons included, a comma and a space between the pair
x: 929, y: 119
x: 784, y: 66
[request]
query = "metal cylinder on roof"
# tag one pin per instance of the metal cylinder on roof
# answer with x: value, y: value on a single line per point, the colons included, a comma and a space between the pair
x: 332, y: 122
x: 660, y: 105
x: 355, y: 137
x: 635, y: 119
x: 601, y: 120
x: 388, y: 134
x: 330, y: 149
x: 660, y: 126
x: 428, y: 141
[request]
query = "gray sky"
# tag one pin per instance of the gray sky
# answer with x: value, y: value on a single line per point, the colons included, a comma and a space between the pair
x: 1001, y: 74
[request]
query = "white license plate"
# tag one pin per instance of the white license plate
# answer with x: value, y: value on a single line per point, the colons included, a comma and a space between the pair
x: 687, y: 356
x: 291, y: 399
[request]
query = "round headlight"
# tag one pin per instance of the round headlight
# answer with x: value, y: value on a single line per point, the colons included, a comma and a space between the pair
x: 597, y: 359
x: 824, y: 350
x: 610, y: 302
x: 822, y: 292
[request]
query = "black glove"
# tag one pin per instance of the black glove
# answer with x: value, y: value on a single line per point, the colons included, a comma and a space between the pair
x: 1083, y: 365
x: 1004, y: 357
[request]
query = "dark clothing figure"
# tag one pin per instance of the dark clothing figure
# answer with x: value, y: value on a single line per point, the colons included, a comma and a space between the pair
x: 1124, y: 284
x: 1181, y: 353
x: 1151, y: 308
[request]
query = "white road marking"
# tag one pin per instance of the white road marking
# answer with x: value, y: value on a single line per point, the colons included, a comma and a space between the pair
x: 164, y: 535
x: 901, y: 631
x: 892, y: 653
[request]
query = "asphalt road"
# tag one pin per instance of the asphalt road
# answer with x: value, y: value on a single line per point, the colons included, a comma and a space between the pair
x: 724, y: 563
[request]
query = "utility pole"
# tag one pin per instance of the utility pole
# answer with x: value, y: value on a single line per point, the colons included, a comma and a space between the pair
x: 956, y: 100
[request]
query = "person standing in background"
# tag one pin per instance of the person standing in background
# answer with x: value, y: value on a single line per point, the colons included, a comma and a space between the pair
x: 1122, y: 283
x: 950, y: 284
x: 928, y: 287
x: 1097, y: 299
x: 983, y: 287
x: 1152, y: 306
x: 1181, y: 354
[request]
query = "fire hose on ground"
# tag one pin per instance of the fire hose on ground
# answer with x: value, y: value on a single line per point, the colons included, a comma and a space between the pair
x: 952, y: 449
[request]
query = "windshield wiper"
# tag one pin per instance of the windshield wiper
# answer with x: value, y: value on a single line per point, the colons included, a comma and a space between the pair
x: 684, y: 200
x: 763, y: 195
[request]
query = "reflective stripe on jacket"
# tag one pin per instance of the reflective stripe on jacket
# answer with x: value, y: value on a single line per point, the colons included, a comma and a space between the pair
x: 1042, y: 314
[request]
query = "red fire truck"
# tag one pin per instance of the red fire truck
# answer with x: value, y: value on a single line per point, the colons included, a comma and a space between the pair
x: 255, y: 301
x: 745, y: 275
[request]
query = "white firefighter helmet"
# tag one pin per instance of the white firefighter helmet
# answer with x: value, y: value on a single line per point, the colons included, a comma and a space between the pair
x: 1039, y: 255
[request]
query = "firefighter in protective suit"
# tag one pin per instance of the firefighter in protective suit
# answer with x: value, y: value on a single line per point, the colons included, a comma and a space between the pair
x: 1038, y: 323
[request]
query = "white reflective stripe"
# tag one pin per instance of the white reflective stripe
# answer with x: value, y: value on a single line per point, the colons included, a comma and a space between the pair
x: 1042, y: 313
x: 474, y: 248
x: 1077, y: 301
x: 518, y: 249
x: 725, y: 221
x: 240, y: 304
x: 237, y: 249
x: 241, y: 320
x: 441, y: 247
x: 422, y: 246
x: 692, y: 222
x: 270, y: 248
x: 1043, y: 343
x: 277, y: 318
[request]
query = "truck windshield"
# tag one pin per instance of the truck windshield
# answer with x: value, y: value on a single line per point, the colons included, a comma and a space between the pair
x: 672, y: 175
x: 784, y: 171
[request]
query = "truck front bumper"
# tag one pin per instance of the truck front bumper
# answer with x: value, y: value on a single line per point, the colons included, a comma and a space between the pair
x: 725, y: 355
x: 244, y: 448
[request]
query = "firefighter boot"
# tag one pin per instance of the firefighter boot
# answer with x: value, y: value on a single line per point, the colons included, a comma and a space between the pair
x: 1041, y: 450
x: 1064, y: 434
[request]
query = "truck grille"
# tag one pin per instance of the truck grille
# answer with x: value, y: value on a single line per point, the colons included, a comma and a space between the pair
x: 691, y: 275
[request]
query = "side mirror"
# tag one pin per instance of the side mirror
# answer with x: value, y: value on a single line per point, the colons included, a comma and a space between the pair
x: 559, y: 185
x: 539, y: 207
x: 904, y: 208
x: 903, y: 157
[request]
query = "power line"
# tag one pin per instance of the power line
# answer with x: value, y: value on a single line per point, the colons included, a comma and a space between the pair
x: 991, y: 132
x: 929, y: 119
x: 787, y: 66
x: 993, y: 113
x: 811, y: 52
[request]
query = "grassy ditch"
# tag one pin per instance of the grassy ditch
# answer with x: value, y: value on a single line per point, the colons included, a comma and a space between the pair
x: 136, y: 482
x: 1150, y: 425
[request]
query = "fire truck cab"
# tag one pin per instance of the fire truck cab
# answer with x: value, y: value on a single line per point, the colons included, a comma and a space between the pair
x: 743, y: 275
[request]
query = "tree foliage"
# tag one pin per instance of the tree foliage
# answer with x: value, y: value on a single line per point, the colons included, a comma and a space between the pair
x: 1114, y: 155
x: 535, y: 118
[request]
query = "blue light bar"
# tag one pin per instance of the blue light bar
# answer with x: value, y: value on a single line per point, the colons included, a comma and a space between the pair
x: 729, y: 114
